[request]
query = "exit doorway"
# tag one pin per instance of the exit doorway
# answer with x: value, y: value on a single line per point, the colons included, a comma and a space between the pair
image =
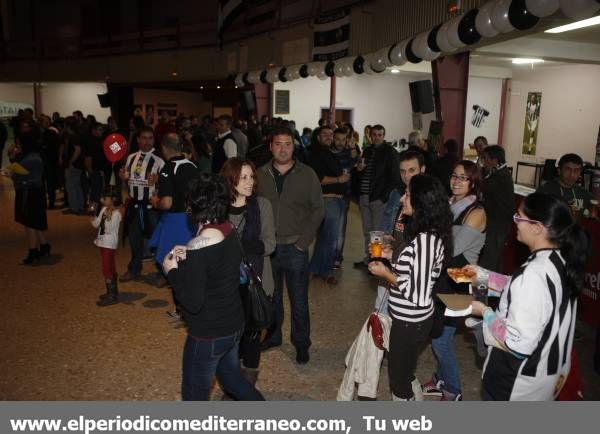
x: 342, y: 116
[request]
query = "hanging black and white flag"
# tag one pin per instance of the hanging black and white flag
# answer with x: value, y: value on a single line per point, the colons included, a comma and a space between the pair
x: 331, y: 36
x: 229, y: 10
x: 479, y: 115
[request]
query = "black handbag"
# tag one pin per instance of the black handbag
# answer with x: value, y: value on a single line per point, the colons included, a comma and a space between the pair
x: 258, y: 306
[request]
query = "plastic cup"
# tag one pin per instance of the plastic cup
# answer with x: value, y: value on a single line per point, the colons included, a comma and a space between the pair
x: 480, y: 289
x: 376, y: 243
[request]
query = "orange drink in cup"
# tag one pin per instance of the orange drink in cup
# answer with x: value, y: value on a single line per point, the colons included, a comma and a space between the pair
x: 376, y: 246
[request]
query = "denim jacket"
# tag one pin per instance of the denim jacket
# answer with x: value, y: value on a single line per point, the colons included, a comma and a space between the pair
x: 390, y: 212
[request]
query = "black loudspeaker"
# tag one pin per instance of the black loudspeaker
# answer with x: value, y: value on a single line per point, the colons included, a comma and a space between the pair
x: 421, y: 96
x: 104, y: 100
x: 248, y: 103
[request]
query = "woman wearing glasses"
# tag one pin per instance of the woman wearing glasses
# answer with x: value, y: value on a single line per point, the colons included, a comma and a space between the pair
x: 530, y: 335
x: 468, y: 232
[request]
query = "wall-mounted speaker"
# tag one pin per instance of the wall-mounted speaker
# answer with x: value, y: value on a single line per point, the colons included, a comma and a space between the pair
x: 421, y: 96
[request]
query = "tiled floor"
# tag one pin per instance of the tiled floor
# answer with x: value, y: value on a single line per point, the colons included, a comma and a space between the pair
x: 56, y: 344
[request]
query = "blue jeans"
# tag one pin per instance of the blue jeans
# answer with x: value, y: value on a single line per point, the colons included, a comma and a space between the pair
x: 291, y: 263
x: 447, y: 369
x: 339, y: 250
x: 205, y: 357
x: 323, y: 257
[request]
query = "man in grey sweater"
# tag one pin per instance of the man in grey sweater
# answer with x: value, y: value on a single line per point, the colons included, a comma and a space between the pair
x: 295, y: 194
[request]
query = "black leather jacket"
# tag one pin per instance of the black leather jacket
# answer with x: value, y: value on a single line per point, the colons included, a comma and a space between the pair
x: 386, y: 171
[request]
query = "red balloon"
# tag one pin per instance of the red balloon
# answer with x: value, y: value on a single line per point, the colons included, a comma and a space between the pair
x: 115, y: 147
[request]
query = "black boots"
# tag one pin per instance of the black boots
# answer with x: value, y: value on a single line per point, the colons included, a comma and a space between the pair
x: 112, y: 294
x: 34, y: 255
x: 45, y: 250
x: 32, y: 258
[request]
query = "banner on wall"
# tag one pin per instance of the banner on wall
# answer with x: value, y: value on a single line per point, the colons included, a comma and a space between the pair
x: 10, y: 109
x: 331, y: 39
x: 532, y: 117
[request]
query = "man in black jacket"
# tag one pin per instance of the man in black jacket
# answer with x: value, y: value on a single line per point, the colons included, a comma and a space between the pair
x: 379, y: 175
x: 499, y: 203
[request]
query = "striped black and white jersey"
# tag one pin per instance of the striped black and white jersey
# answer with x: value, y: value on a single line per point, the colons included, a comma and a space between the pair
x: 539, y: 322
x: 417, y: 268
x: 139, y: 166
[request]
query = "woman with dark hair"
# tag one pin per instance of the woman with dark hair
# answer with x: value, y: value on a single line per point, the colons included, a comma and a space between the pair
x: 252, y: 217
x: 530, y: 335
x: 366, y: 137
x: 468, y: 232
x: 205, y: 277
x: 30, y: 196
x: 416, y: 266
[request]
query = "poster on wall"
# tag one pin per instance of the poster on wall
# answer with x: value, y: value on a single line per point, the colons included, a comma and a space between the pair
x: 168, y: 109
x: 532, y: 117
x: 149, y: 114
x: 138, y: 110
x: 598, y: 149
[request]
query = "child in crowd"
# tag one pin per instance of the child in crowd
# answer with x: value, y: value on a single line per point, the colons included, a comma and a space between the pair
x: 108, y: 222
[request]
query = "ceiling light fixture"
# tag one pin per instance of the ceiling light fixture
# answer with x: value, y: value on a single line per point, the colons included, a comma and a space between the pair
x: 395, y: 71
x: 218, y: 87
x: 519, y: 61
x: 594, y: 21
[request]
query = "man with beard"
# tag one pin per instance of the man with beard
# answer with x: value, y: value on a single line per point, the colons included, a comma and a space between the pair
x: 295, y: 194
x: 333, y: 185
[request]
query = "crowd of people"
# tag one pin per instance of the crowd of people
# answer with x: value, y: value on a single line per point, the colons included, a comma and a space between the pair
x: 198, y: 196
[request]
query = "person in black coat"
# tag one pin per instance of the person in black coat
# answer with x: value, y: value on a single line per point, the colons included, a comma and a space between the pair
x: 379, y: 174
x: 499, y: 203
x: 442, y: 167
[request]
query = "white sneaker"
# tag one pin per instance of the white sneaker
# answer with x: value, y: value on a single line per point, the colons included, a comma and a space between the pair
x: 417, y: 390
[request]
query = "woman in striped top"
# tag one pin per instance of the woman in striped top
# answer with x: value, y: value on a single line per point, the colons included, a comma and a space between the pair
x: 416, y: 266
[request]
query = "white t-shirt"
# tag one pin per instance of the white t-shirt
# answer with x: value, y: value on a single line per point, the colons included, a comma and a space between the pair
x: 108, y: 230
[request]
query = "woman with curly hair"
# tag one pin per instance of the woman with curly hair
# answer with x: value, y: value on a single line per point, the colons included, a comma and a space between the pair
x: 205, y: 277
x: 416, y: 266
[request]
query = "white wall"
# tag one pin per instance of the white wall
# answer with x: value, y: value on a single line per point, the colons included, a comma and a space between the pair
x: 187, y: 102
x: 486, y: 93
x: 376, y: 99
x: 569, y: 115
x: 65, y: 98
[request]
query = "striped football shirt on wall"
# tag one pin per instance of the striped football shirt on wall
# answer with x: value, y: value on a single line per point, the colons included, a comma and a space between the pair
x: 417, y: 269
x: 139, y: 166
